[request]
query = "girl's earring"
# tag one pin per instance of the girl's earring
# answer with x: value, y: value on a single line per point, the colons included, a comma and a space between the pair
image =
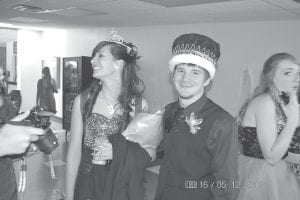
x: 117, y: 67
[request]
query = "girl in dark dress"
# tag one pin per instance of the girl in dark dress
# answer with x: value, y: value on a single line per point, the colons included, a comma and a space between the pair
x: 46, y: 87
x: 266, y: 128
x: 99, y: 113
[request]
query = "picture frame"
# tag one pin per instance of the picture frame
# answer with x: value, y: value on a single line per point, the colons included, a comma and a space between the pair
x: 54, y: 65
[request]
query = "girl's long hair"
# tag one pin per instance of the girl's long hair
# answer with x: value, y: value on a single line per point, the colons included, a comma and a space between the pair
x: 267, y: 84
x: 47, y: 75
x: 132, y: 87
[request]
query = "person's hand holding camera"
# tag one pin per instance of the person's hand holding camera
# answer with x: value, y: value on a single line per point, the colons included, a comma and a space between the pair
x: 15, y: 139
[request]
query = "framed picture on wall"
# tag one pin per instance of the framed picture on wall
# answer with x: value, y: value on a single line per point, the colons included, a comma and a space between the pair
x: 54, y: 66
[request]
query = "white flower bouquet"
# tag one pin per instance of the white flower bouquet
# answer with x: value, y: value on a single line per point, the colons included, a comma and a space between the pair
x: 145, y: 129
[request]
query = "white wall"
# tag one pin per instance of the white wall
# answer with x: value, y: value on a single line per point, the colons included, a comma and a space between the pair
x: 243, y: 45
x: 29, y: 66
x: 81, y: 42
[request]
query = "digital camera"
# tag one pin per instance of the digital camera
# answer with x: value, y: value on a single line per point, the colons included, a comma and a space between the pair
x: 40, y: 118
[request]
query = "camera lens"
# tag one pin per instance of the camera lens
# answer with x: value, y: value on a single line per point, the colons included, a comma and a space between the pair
x: 47, y: 142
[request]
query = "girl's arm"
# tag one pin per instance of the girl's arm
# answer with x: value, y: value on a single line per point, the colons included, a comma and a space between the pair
x: 74, y: 149
x: 54, y: 85
x: 274, y: 146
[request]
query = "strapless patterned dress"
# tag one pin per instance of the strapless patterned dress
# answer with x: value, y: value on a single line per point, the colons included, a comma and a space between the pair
x: 258, y: 180
x: 91, y: 179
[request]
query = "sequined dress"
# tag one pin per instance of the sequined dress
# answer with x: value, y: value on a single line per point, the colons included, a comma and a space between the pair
x: 91, y: 178
x: 258, y: 180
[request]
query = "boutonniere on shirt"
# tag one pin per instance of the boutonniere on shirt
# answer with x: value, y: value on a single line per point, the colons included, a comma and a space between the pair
x: 193, y: 122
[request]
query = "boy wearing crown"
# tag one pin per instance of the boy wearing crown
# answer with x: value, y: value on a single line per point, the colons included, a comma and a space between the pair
x: 200, y: 138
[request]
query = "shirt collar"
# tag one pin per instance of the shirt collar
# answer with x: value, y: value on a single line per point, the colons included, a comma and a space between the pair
x: 194, y: 107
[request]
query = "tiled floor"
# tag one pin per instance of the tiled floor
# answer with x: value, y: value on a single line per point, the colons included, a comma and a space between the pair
x: 40, y: 185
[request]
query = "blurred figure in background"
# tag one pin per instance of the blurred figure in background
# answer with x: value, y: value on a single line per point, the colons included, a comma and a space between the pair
x: 3, y: 83
x: 9, y: 103
x: 46, y: 87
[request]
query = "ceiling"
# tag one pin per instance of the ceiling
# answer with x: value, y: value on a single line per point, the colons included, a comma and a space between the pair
x: 7, y: 35
x: 115, y: 13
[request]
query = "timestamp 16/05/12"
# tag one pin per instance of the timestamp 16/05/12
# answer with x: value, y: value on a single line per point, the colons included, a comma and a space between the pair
x: 211, y: 184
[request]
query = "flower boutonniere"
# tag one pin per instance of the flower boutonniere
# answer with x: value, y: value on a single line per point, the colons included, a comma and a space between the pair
x: 194, y: 123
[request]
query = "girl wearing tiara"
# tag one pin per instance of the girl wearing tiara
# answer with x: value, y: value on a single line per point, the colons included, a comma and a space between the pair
x: 99, y: 157
x: 266, y: 127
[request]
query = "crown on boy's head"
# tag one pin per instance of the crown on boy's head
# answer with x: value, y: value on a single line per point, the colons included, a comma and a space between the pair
x: 195, y: 49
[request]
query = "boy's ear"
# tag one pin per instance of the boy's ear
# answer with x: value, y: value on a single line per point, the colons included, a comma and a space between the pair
x: 206, y: 83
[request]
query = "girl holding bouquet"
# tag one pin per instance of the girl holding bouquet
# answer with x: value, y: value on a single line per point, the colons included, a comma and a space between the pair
x: 99, y: 157
x: 267, y: 123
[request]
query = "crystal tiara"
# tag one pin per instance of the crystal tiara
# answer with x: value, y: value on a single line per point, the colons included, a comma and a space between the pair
x: 192, y: 49
x: 116, y: 38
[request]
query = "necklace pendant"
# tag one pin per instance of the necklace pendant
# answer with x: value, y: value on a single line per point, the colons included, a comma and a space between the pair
x: 111, y: 109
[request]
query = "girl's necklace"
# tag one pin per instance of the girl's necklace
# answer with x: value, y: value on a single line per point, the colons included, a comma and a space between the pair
x: 110, y: 107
